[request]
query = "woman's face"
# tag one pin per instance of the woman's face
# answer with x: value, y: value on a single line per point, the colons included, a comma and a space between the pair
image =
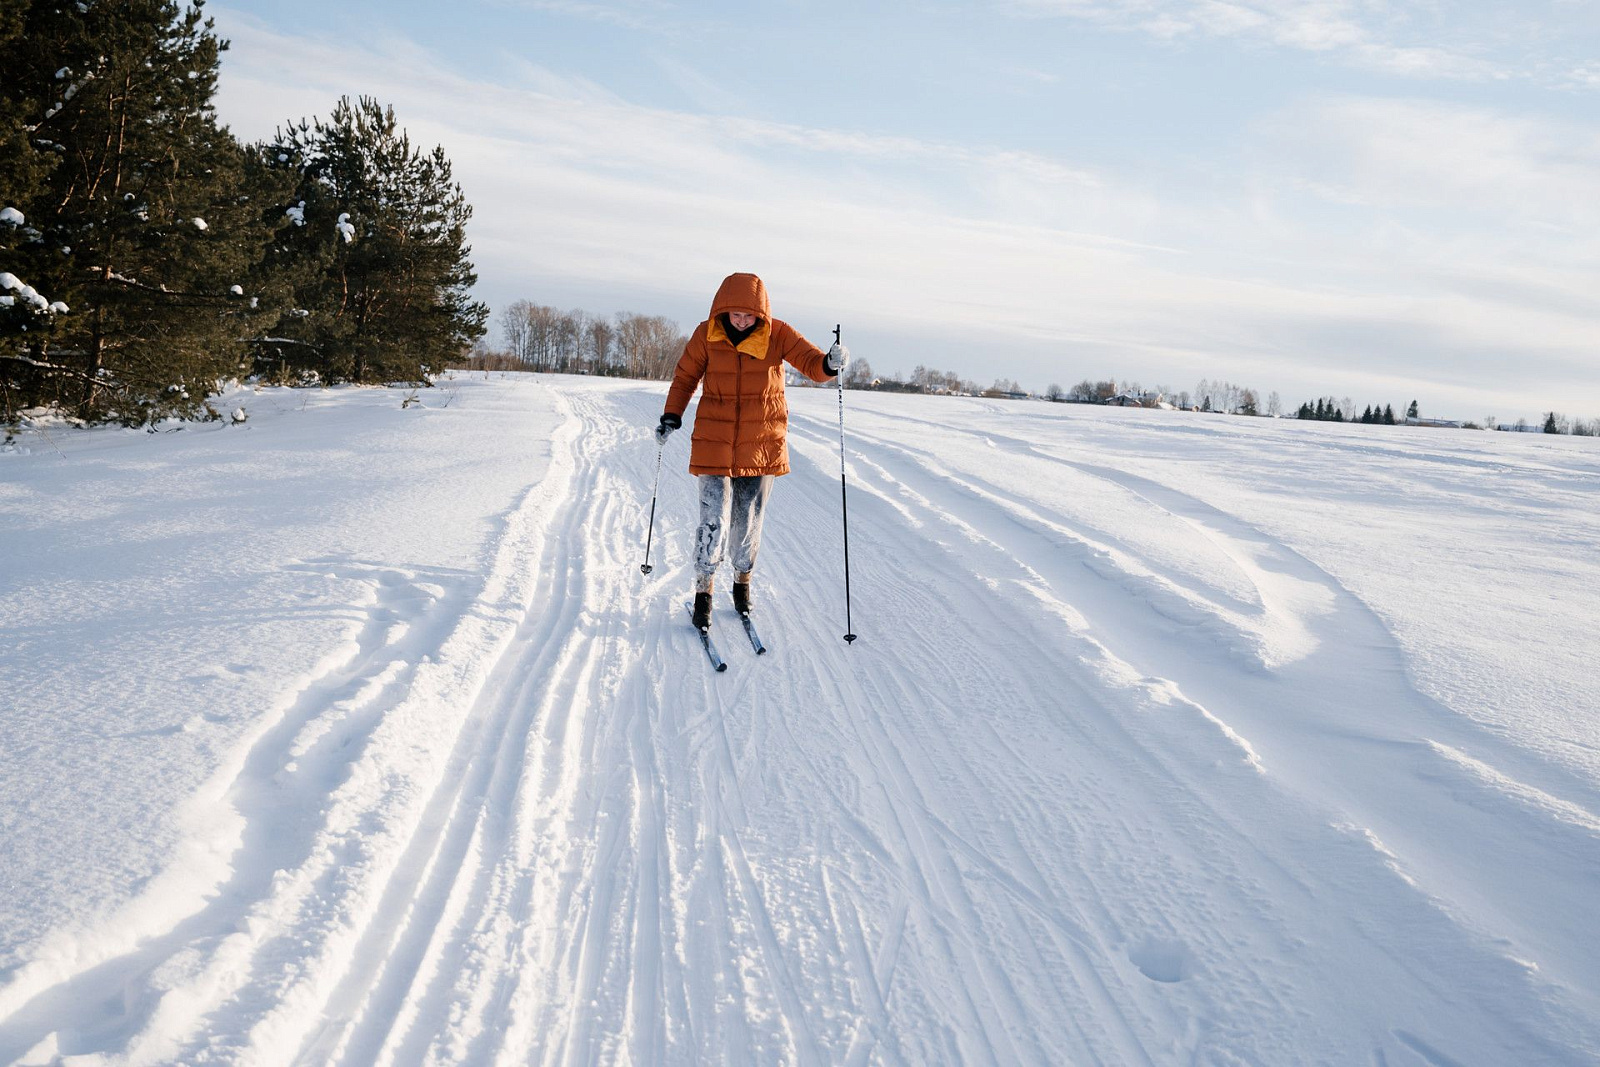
x: 742, y: 320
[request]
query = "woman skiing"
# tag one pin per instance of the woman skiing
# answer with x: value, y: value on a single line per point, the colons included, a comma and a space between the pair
x: 740, y: 439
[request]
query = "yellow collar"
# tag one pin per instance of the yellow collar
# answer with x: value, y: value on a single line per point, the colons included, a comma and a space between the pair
x: 754, y: 345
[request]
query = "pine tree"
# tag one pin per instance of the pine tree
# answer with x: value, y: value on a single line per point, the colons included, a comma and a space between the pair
x: 1412, y: 411
x: 1366, y: 416
x: 27, y: 316
x: 1388, y: 415
x: 24, y: 168
x: 1550, y: 423
x: 139, y: 229
x: 376, y: 252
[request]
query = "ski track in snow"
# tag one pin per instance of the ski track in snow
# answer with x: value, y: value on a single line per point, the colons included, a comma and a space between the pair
x: 1124, y: 815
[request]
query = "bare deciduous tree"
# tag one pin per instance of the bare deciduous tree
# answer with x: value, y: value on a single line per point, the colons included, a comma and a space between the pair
x: 648, y: 345
x: 859, y: 374
x: 514, y: 325
x: 599, y: 338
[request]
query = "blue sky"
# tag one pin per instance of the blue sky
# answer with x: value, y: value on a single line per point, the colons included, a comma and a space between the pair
x: 1384, y: 199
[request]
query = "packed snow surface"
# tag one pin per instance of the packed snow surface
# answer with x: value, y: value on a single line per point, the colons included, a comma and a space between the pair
x: 354, y: 734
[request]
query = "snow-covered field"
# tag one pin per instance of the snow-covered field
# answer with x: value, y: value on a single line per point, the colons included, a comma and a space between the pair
x: 355, y: 735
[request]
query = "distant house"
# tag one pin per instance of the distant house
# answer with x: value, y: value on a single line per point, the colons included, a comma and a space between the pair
x: 1140, y: 400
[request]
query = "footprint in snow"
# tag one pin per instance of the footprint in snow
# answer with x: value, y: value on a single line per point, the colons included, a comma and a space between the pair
x: 1162, y: 960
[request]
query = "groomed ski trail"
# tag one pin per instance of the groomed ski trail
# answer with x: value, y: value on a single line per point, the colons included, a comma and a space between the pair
x: 533, y: 827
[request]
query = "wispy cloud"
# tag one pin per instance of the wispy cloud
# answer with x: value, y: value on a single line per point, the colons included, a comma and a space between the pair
x: 1584, y: 77
x: 653, y: 16
x: 706, y: 92
x: 1402, y: 38
x: 1482, y: 168
x: 1373, y: 238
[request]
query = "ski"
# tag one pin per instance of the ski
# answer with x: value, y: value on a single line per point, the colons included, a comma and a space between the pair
x: 750, y: 632
x: 705, y: 642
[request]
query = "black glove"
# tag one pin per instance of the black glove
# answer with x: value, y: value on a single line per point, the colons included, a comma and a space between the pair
x: 668, y: 423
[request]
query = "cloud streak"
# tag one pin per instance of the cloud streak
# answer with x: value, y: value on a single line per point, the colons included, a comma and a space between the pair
x: 1321, y: 272
x: 650, y: 16
x: 1409, y: 38
x: 1482, y: 166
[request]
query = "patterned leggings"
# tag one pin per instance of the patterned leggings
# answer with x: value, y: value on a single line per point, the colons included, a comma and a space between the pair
x: 734, y: 506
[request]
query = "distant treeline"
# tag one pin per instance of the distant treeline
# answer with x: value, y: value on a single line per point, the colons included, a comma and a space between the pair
x: 1222, y: 397
x: 625, y: 345
x: 148, y: 255
x: 622, y: 345
x: 1555, y: 422
x: 1326, y: 409
x: 860, y: 375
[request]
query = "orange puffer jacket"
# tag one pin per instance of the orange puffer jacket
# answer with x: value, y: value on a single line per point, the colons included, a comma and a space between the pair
x: 742, y: 426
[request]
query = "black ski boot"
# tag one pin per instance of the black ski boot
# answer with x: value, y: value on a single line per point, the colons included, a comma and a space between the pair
x: 702, y: 610
x: 741, y: 603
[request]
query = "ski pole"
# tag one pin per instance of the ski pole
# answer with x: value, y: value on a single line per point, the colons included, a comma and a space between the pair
x: 645, y: 566
x: 844, y: 502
